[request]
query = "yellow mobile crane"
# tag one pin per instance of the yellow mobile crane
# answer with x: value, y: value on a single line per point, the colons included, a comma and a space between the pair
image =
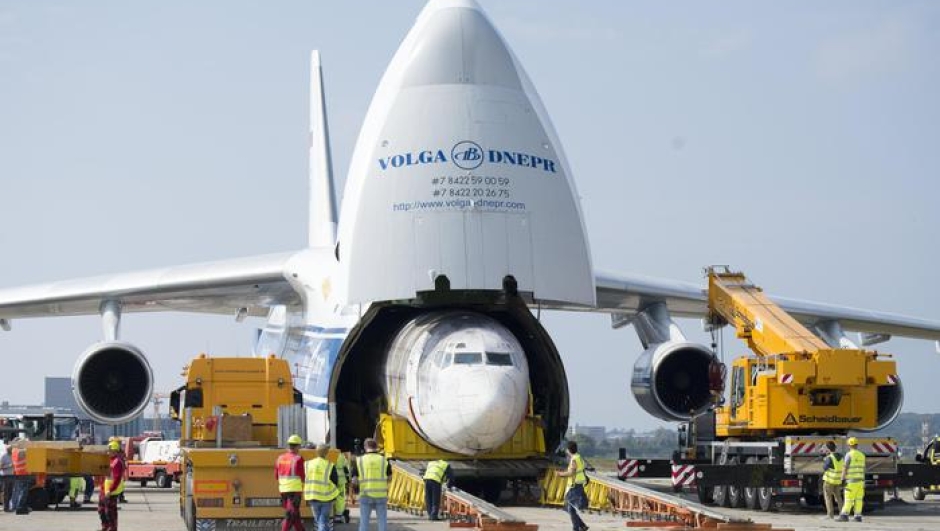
x: 795, y: 393
x: 795, y: 383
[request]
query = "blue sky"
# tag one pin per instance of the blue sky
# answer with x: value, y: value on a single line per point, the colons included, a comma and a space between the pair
x: 798, y: 143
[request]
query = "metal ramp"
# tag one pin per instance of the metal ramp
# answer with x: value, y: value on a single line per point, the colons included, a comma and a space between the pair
x: 651, y: 508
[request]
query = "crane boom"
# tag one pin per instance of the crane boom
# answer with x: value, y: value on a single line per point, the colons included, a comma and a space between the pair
x: 767, y: 329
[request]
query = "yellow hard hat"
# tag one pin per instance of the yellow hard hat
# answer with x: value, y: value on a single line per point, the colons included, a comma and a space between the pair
x: 114, y: 445
x: 294, y: 439
x: 852, y: 441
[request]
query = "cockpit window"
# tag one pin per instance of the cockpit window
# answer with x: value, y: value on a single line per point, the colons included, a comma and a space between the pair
x: 499, y: 358
x: 468, y: 358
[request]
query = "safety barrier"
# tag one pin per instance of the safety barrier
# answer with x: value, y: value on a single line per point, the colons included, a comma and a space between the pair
x: 406, y: 493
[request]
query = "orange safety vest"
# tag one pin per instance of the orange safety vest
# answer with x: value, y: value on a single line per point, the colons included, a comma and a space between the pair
x: 287, y: 479
x: 19, y: 462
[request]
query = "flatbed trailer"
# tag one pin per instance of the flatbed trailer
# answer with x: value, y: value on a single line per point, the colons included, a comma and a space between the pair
x: 50, y: 464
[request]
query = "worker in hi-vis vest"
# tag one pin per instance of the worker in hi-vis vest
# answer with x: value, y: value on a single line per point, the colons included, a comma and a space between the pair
x: 112, y: 489
x: 832, y: 479
x: 370, y: 475
x: 289, y: 470
x: 342, y: 476
x: 22, y: 482
x: 575, y: 496
x: 853, y: 474
x: 320, y: 487
x: 437, y: 474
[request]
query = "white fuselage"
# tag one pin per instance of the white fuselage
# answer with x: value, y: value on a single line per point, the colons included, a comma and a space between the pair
x: 460, y: 378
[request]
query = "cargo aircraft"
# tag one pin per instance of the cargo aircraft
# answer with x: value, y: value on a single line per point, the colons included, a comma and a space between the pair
x: 460, y: 217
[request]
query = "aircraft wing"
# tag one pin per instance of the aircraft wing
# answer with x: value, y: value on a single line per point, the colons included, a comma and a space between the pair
x: 223, y: 287
x: 627, y: 294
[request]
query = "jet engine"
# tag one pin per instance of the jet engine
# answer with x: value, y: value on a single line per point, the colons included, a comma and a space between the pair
x: 112, y: 382
x: 670, y: 380
x: 890, y: 400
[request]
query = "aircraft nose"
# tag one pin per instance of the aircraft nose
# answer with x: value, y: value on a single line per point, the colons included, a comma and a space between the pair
x: 491, y: 406
x: 454, y: 43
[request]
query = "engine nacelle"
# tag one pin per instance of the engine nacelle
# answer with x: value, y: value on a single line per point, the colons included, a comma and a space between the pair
x: 112, y: 382
x: 670, y: 380
x: 890, y: 400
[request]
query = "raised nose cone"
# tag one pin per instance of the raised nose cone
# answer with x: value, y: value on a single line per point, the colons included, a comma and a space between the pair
x: 459, y: 46
x: 458, y: 172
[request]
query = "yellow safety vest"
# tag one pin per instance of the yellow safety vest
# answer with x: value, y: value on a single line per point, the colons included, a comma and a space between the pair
x: 373, y: 480
x: 287, y: 481
x: 342, y: 470
x: 436, y: 470
x: 317, y: 485
x: 856, y: 470
x: 833, y: 475
x: 579, y: 478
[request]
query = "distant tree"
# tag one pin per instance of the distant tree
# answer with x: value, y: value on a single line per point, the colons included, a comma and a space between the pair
x: 586, y: 445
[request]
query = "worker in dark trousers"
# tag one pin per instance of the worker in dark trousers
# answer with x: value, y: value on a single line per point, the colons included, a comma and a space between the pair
x: 832, y: 479
x: 22, y: 482
x: 437, y: 473
x: 112, y: 489
x: 89, y: 488
x: 289, y: 470
x: 575, y: 496
x: 6, y: 476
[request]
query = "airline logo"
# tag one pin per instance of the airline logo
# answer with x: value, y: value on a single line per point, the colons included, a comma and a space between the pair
x: 467, y: 155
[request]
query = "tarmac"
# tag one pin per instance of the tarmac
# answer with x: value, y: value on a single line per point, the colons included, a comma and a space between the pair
x: 153, y: 509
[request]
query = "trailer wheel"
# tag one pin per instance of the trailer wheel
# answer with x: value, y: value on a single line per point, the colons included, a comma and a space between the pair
x: 765, y: 498
x: 162, y: 480
x: 704, y: 494
x: 919, y: 494
x: 720, y: 495
x: 750, y: 493
x: 37, y: 499
x: 189, y: 505
x: 735, y: 492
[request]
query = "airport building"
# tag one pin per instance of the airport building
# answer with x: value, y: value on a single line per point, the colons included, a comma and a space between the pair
x: 595, y: 433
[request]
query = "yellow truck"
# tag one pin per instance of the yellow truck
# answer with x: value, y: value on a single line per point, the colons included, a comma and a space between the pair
x: 231, y: 410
